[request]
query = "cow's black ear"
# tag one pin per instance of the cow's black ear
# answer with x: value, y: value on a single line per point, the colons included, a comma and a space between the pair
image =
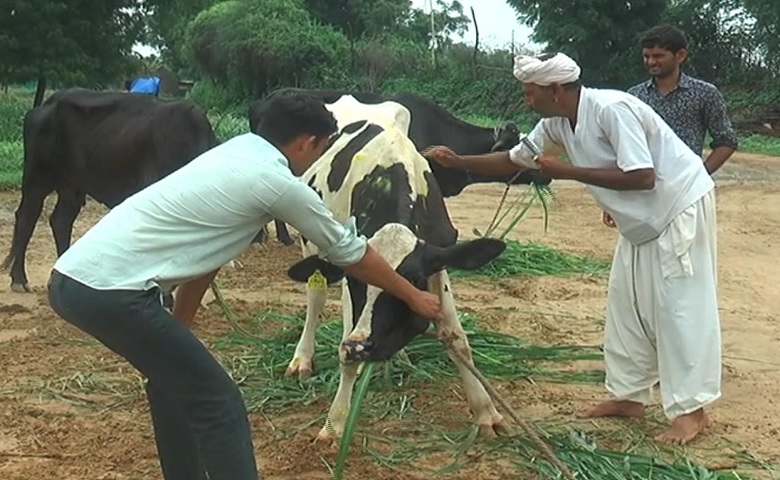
x: 303, y: 270
x: 469, y: 255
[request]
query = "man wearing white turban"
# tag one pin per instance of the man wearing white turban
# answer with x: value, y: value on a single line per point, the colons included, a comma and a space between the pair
x: 662, y: 321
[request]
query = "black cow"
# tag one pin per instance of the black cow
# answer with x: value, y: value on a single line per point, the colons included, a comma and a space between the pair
x: 396, y: 203
x: 108, y: 145
x: 430, y: 125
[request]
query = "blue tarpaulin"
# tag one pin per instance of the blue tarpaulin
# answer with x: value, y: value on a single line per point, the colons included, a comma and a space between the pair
x: 146, y: 85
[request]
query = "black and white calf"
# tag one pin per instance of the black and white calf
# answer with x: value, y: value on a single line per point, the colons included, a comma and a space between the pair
x: 374, y: 174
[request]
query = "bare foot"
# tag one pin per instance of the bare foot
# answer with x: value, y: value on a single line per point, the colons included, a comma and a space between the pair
x: 614, y: 408
x: 685, y: 428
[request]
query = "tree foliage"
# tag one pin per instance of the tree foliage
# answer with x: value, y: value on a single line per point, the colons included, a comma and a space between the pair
x: 237, y: 50
x: 729, y: 40
x: 358, y: 18
x: 253, y: 44
x: 67, y: 41
x: 600, y: 34
x: 166, y: 22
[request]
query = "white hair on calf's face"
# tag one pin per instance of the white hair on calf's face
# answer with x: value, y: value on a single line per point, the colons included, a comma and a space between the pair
x: 393, y: 242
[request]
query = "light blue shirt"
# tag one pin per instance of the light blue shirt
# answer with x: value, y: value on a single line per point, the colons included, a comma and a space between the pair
x: 202, y: 216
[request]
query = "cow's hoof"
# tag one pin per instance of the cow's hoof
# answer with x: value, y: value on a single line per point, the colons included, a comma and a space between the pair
x: 327, y: 436
x: 499, y: 427
x: 356, y: 350
x: 21, y: 287
x: 300, y: 366
x: 287, y: 241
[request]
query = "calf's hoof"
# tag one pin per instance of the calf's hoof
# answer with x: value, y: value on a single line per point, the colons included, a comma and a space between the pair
x: 328, y: 437
x: 355, y: 351
x: 300, y: 366
x: 21, y: 287
x: 498, y: 427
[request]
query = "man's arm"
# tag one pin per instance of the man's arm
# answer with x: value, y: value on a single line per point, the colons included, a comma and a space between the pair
x: 300, y: 207
x: 615, y: 178
x: 188, y: 297
x: 635, y: 169
x: 518, y: 159
x: 374, y: 270
x: 492, y: 164
x: 724, y: 138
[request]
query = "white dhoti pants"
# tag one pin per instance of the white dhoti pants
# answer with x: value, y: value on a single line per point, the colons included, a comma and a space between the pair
x: 662, y: 315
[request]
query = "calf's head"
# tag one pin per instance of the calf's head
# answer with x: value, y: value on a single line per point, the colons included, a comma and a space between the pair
x: 381, y: 323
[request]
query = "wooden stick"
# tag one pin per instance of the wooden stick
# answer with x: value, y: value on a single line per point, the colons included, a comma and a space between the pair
x: 543, y: 447
x: 57, y: 456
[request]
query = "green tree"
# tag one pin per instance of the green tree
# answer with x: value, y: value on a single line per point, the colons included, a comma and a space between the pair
x: 73, y: 42
x: 255, y: 45
x: 448, y: 19
x: 167, y: 22
x: 600, y: 34
x: 713, y: 52
x: 358, y: 18
x: 766, y: 17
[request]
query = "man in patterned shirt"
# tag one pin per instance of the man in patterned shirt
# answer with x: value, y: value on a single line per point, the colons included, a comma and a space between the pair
x: 689, y: 105
x: 692, y: 107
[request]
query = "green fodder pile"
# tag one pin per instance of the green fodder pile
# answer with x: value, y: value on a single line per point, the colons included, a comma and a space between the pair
x: 408, y: 435
x: 531, y: 259
x: 260, y: 362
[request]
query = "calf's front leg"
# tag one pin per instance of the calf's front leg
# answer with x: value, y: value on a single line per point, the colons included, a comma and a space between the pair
x: 337, y: 415
x: 302, y: 361
x: 486, y: 417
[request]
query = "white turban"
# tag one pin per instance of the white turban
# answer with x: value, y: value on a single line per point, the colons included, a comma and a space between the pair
x: 559, y: 69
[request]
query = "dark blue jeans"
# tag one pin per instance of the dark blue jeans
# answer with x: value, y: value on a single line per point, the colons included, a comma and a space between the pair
x: 200, y: 421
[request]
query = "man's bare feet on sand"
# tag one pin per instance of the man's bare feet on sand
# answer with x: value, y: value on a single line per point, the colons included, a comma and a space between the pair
x: 613, y: 408
x: 685, y: 428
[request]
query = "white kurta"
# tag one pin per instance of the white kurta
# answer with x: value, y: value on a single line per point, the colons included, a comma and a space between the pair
x: 662, y: 314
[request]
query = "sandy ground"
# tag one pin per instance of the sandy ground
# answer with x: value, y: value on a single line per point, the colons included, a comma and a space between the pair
x: 49, y: 435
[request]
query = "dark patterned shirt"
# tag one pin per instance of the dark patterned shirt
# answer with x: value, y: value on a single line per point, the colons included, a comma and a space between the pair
x: 692, y: 109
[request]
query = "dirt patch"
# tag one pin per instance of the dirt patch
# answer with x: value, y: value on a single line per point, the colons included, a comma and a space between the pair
x: 70, y: 409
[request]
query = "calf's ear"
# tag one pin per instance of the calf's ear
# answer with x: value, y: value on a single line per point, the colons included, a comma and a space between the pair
x: 301, y: 271
x: 469, y: 255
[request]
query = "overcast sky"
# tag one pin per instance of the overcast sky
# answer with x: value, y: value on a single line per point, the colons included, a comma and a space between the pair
x: 496, y: 21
